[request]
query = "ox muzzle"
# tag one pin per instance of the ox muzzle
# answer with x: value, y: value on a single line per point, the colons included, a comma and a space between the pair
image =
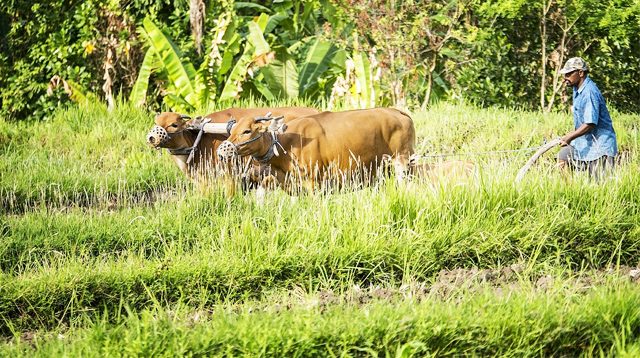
x: 227, y: 150
x: 157, y: 136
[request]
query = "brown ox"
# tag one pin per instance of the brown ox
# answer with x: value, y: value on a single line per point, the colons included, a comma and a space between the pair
x: 172, y: 131
x: 352, y: 144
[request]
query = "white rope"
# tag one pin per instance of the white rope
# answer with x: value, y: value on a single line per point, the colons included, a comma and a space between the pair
x: 469, y: 154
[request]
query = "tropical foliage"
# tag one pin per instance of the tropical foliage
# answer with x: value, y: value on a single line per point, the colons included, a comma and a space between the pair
x: 186, y: 55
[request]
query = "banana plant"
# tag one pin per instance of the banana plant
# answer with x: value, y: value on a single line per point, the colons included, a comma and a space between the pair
x: 304, y: 62
x: 358, y: 82
x: 284, y: 79
x: 365, y: 85
x: 189, y: 89
x: 150, y: 63
x: 257, y: 52
x: 165, y: 57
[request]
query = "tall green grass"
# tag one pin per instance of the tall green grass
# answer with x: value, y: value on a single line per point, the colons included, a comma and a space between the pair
x: 525, y: 322
x: 98, y: 232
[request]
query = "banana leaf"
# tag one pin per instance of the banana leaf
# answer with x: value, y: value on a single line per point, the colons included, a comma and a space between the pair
x: 261, y: 86
x: 282, y: 77
x: 262, y: 22
x: 363, y: 76
x: 256, y: 38
x: 255, y: 47
x: 275, y: 20
x: 178, y: 103
x: 237, y: 75
x: 231, y: 50
x: 139, y: 91
x: 239, y: 5
x: 204, y: 90
x: 316, y: 64
x: 181, y: 74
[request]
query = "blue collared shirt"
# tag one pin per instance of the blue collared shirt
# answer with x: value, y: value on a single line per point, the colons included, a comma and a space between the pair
x: 589, y: 107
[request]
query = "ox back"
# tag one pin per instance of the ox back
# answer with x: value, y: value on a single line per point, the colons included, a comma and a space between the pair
x: 354, y: 142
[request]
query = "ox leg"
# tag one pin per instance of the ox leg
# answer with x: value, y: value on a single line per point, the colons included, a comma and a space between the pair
x: 261, y: 193
x: 230, y: 186
x: 268, y: 182
x: 401, y: 168
x: 308, y: 186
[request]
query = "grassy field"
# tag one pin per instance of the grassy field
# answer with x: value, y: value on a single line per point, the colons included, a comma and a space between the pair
x: 106, y: 249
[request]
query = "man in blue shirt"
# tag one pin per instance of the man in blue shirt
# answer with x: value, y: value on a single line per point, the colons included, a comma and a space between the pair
x: 592, y: 145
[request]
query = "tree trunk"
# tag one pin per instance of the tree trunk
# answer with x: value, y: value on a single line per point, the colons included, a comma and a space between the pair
x: 196, y: 18
x: 427, y: 96
x: 543, y: 59
x: 557, y: 83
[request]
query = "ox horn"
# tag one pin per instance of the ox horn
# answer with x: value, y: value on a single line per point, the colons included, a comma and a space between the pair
x: 266, y: 117
x: 184, y: 116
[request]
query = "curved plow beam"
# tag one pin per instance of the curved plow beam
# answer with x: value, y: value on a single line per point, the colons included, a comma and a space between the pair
x: 545, y: 148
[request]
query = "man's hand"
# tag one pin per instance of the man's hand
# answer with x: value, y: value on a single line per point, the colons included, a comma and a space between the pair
x: 582, y: 130
x: 564, y: 141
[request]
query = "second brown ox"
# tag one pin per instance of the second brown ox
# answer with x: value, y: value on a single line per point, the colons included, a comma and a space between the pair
x: 317, y: 147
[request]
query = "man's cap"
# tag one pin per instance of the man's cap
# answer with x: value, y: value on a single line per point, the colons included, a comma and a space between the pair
x: 574, y: 64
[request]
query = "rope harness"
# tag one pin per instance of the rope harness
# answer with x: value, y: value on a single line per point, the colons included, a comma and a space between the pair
x: 191, y: 151
x: 270, y: 153
x: 273, y: 147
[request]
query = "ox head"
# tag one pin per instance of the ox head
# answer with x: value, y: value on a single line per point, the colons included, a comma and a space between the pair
x: 246, y: 137
x: 167, y: 133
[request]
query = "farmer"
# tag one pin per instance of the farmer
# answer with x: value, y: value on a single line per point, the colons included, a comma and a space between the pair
x: 592, y: 146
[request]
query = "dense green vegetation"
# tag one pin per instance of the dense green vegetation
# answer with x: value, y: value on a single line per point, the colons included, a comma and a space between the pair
x: 190, y: 54
x: 105, y: 248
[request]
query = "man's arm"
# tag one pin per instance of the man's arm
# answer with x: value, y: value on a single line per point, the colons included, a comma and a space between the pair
x: 582, y: 130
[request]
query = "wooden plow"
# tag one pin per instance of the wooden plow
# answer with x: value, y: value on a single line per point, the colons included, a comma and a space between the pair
x: 543, y: 149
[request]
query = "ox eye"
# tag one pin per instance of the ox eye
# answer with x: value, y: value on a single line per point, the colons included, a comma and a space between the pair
x: 175, y: 125
x: 247, y: 131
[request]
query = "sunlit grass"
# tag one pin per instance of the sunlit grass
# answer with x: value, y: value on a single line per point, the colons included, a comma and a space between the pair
x: 525, y: 322
x: 94, y: 224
